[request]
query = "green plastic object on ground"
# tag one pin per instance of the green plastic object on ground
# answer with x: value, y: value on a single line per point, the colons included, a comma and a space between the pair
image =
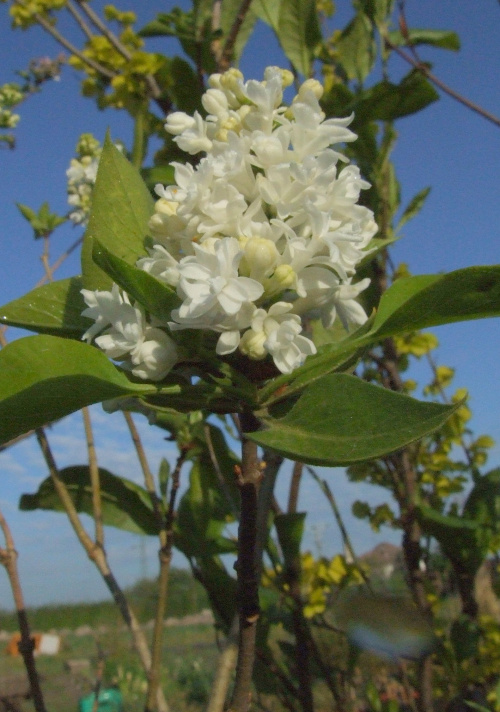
x: 109, y: 700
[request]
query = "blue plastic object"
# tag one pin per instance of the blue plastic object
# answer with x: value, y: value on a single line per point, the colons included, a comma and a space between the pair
x: 109, y: 700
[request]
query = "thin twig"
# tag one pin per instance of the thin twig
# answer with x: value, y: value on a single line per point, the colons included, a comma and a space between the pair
x: 60, y: 260
x: 45, y: 258
x: 148, y: 478
x: 293, y: 495
x: 66, y: 44
x: 117, y: 44
x: 79, y: 20
x: 165, y: 555
x: 99, y: 558
x: 421, y: 67
x: 226, y: 56
x: 94, y: 480
x: 225, y: 667
x: 8, y: 558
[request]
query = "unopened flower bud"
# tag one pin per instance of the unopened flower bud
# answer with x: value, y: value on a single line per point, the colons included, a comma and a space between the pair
x: 310, y: 85
x: 261, y: 257
x: 252, y: 344
x: 179, y: 122
x: 283, y: 278
x: 214, y: 102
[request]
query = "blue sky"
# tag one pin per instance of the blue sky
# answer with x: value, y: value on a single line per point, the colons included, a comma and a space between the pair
x: 447, y: 147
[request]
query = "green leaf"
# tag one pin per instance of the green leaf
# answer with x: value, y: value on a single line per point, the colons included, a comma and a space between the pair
x: 387, y: 102
x: 121, y: 208
x: 43, y: 222
x: 356, y: 47
x: 125, y: 505
x: 410, y: 304
x: 414, y: 303
x: 157, y: 298
x: 337, y: 421
x: 158, y: 174
x: 290, y: 530
x: 330, y: 357
x: 465, y: 637
x: 187, y: 88
x: 54, y: 308
x: 483, y: 503
x: 299, y: 32
x: 209, y: 503
x: 445, y: 39
x: 414, y: 207
x: 43, y: 378
x: 458, y: 538
x: 268, y: 11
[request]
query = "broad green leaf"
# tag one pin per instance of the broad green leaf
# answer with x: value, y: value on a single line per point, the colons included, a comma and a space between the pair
x: 185, y: 87
x: 413, y: 208
x: 299, y: 32
x: 377, y: 10
x: 121, y: 208
x: 413, y: 303
x: 483, y: 503
x: 219, y: 585
x: 356, y: 47
x: 157, y: 298
x: 54, y: 308
x: 445, y: 39
x: 158, y: 174
x: 290, y: 530
x: 330, y: 357
x: 386, y: 101
x: 465, y: 637
x: 338, y: 420
x: 43, y: 378
x: 459, y: 538
x: 268, y: 11
x: 125, y: 505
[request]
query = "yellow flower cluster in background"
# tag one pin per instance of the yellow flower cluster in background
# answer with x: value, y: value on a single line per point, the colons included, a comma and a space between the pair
x: 317, y: 579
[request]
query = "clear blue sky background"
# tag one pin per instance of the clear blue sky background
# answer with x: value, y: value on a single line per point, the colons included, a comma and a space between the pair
x: 447, y: 147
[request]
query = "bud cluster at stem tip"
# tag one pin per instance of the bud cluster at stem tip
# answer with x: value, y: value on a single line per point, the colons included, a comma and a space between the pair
x: 265, y: 229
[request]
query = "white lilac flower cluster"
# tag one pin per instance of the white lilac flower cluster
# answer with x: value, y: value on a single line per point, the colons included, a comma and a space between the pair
x: 81, y: 176
x: 265, y: 229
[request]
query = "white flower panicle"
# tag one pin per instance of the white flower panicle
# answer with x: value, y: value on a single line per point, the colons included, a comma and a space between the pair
x: 126, y: 335
x: 265, y: 228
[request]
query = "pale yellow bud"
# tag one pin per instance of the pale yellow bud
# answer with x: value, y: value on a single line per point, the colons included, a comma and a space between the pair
x: 311, y: 85
x: 283, y: 278
x: 287, y: 77
x: 261, y: 256
x: 252, y: 344
x: 230, y: 81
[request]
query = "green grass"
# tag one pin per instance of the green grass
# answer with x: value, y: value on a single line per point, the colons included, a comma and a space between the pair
x: 186, y: 596
x: 189, y: 658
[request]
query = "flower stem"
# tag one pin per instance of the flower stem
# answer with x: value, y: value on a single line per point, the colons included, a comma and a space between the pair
x: 8, y: 557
